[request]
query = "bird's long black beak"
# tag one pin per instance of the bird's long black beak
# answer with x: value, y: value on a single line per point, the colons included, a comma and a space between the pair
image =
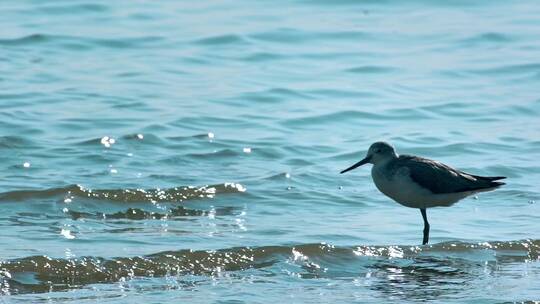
x: 358, y: 164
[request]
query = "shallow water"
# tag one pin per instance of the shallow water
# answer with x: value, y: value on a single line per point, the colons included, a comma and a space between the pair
x: 165, y: 151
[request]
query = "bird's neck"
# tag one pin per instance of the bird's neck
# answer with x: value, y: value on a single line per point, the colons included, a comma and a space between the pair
x: 383, y: 162
x: 379, y: 171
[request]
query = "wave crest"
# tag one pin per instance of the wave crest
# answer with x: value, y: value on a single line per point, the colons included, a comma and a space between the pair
x: 176, y: 194
x: 43, y: 274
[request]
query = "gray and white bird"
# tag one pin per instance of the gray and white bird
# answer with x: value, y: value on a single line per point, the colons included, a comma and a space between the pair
x: 421, y: 183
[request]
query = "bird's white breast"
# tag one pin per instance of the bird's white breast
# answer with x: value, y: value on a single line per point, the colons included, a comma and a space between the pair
x: 401, y: 188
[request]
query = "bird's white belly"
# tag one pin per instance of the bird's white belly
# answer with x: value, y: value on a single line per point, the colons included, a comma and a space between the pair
x: 402, y: 189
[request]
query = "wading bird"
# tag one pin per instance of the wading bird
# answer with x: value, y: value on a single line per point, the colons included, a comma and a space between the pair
x: 421, y: 183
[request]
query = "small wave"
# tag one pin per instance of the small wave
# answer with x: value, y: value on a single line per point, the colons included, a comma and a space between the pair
x: 28, y: 39
x: 79, y: 42
x: 288, y: 35
x: 340, y: 116
x: 221, y: 40
x: 360, y: 117
x: 371, y: 69
x: 108, y: 141
x: 15, y: 142
x: 140, y: 214
x: 515, y: 69
x: 263, y: 56
x: 127, y: 42
x: 344, y: 3
x: 211, y: 122
x: 278, y: 176
x: 218, y: 153
x: 273, y: 95
x: 74, y: 8
x: 487, y: 38
x: 177, y: 194
x: 42, y: 273
x: 451, y: 109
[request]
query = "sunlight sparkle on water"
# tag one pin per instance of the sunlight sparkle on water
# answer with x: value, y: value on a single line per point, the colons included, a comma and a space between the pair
x: 107, y: 141
x: 67, y: 234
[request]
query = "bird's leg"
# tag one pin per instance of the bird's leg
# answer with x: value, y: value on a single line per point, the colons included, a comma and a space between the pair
x: 426, y: 226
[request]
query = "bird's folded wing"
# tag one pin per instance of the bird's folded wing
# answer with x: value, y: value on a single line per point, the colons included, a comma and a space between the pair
x: 438, y: 177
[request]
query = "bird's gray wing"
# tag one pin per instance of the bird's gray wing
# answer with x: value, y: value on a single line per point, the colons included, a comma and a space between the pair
x: 438, y: 177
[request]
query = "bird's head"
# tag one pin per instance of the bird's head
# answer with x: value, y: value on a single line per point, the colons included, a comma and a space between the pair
x: 379, y: 152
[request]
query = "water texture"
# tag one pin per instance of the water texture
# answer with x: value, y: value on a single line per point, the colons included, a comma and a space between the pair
x: 175, y: 151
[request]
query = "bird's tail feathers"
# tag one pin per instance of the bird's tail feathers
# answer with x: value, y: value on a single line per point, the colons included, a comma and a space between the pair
x: 489, y: 178
x: 488, y: 186
x: 497, y: 184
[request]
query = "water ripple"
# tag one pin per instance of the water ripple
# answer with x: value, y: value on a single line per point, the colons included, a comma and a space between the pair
x: 222, y: 40
x: 81, y: 43
x: 177, y: 194
x: 444, y: 261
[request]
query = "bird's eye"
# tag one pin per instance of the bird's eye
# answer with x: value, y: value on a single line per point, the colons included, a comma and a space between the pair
x: 378, y: 151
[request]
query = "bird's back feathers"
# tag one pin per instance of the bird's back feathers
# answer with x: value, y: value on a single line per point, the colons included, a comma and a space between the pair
x: 440, y: 178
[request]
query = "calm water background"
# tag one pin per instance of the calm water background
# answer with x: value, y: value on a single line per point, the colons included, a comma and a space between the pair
x: 275, y: 97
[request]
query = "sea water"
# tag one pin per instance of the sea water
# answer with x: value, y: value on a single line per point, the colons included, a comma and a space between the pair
x: 189, y: 151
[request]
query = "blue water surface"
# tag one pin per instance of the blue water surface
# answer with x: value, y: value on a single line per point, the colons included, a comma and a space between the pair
x: 234, y: 119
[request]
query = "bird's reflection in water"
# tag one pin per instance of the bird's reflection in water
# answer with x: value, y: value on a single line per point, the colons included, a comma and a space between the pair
x: 423, y: 277
x: 413, y: 274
